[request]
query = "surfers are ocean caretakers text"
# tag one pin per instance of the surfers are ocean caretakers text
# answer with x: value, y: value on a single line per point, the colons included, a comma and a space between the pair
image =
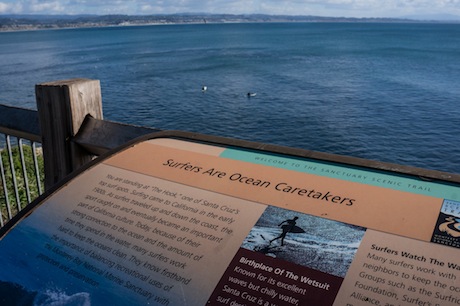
x: 256, y: 182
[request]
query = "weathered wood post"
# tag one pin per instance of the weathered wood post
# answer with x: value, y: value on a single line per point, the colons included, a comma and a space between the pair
x: 62, y: 107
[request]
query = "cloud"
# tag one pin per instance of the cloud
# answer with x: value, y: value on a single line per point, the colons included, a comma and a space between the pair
x: 3, y: 7
x: 10, y: 8
x: 46, y: 7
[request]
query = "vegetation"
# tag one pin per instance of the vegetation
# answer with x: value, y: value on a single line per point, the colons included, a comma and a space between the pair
x: 21, y: 196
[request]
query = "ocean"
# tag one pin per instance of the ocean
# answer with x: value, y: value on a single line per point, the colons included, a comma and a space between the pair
x: 383, y: 91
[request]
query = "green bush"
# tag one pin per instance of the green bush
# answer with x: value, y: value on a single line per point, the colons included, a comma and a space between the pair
x: 31, y: 177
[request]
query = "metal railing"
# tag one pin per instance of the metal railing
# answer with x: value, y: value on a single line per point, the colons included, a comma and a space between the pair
x: 39, y: 148
x: 21, y: 174
x: 21, y: 162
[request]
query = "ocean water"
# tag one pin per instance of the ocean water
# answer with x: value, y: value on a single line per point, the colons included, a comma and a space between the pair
x: 386, y: 92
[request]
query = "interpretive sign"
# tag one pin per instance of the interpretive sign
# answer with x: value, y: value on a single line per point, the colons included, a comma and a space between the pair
x: 171, y: 221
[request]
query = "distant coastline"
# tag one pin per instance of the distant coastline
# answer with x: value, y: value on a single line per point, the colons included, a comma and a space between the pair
x: 44, y: 22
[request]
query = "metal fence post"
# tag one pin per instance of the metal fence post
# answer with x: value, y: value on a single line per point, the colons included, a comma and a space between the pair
x: 62, y: 107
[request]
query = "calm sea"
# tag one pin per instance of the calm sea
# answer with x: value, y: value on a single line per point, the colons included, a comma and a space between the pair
x: 388, y: 92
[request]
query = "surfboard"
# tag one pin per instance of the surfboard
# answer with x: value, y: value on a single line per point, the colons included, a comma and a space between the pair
x: 294, y: 229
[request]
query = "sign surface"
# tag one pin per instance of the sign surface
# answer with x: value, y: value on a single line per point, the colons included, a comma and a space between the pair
x: 175, y: 222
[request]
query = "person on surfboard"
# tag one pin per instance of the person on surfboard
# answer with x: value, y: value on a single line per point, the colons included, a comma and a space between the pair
x: 289, y: 225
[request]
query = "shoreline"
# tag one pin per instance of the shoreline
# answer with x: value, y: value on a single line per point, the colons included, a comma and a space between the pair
x: 34, y: 23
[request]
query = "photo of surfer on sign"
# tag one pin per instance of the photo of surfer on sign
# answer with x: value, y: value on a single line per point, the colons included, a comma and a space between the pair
x: 320, y: 244
x: 287, y: 226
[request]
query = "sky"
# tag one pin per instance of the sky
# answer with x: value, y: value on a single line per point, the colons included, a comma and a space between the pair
x: 332, y: 8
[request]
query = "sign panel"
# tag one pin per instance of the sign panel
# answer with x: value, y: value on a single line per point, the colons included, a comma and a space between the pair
x: 176, y: 222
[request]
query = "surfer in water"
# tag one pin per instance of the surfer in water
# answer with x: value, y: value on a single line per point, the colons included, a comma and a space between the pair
x: 286, y: 226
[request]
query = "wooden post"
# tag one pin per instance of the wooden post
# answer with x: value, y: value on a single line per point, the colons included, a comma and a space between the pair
x: 62, y: 107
